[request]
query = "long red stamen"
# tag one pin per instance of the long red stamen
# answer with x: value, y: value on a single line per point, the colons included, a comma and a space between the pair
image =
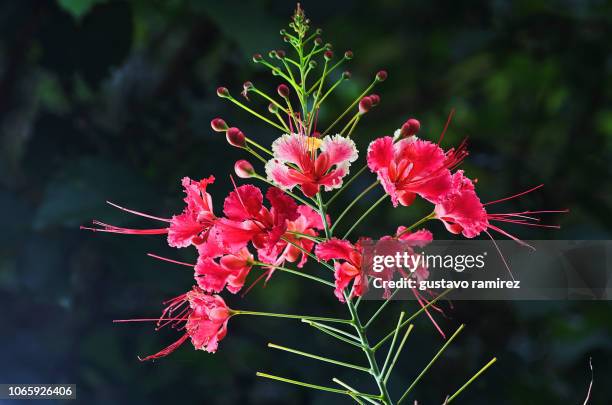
x: 126, y: 231
x: 142, y: 214
x: 170, y: 260
x: 448, y: 120
x: 515, y: 195
x: 167, y: 350
x: 501, y: 255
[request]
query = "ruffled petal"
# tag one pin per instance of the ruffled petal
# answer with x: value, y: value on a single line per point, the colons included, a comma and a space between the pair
x: 340, y: 151
x: 334, y: 249
x: 243, y: 203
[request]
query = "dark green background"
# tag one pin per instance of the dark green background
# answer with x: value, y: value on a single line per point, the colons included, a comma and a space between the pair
x: 112, y: 100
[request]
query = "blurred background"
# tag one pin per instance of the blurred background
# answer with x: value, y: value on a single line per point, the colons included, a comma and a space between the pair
x: 112, y: 100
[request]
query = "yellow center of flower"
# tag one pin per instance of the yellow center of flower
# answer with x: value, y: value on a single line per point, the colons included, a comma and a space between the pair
x: 313, y: 143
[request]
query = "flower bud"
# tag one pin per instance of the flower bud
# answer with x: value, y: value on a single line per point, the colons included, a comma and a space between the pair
x: 346, y: 75
x: 365, y: 104
x: 283, y: 31
x: 328, y: 55
x: 348, y: 55
x: 244, y: 169
x: 257, y: 58
x: 318, y: 31
x: 235, y: 137
x: 381, y: 76
x: 375, y: 99
x: 286, y: 39
x: 410, y: 127
x: 329, y: 46
x: 223, y: 92
x: 272, y: 108
x: 318, y: 41
x: 280, y: 54
x: 218, y: 125
x: 283, y: 90
x: 312, y: 64
x: 272, y: 54
x: 246, y: 87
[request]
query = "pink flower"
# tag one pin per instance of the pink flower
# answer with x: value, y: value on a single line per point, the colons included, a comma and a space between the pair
x: 229, y: 271
x: 412, y: 166
x: 204, y: 318
x: 298, y: 162
x: 308, y: 223
x: 346, y: 271
x: 461, y: 210
x: 192, y: 226
x: 248, y: 220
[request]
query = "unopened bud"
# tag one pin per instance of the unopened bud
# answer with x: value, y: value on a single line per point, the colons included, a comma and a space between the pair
x: 223, y: 92
x: 348, y: 55
x: 273, y: 108
x: 318, y: 41
x: 328, y: 55
x: 329, y: 46
x: 312, y: 64
x: 375, y: 99
x: 381, y: 76
x: 244, y: 169
x: 218, y: 125
x: 365, y: 104
x: 280, y: 54
x: 410, y: 127
x: 318, y: 31
x: 272, y: 54
x: 257, y: 58
x: 283, y: 90
x: 235, y: 137
x: 346, y: 75
x: 246, y: 87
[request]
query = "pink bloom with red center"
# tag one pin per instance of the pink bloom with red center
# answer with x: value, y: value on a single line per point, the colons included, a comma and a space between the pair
x: 347, y: 270
x: 229, y: 271
x: 310, y: 162
x: 308, y: 223
x: 412, y: 166
x: 203, y: 316
x: 193, y: 225
x: 461, y: 211
x: 249, y: 220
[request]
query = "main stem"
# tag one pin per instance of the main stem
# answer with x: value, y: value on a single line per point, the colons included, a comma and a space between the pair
x: 375, y: 371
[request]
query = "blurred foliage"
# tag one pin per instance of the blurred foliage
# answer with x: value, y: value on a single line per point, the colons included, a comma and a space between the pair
x: 112, y: 100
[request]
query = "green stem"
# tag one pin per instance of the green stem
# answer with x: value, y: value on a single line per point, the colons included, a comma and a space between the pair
x: 320, y: 358
x: 352, y: 203
x: 407, y: 321
x: 397, y: 353
x: 364, y: 215
x: 314, y: 386
x: 397, y: 329
x: 354, y: 126
x: 258, y: 146
x: 348, y: 387
x: 255, y: 113
x: 382, y: 306
x: 328, y: 330
x: 471, y: 380
x: 290, y: 316
x: 345, y: 185
x: 431, y: 362
x: 417, y: 223
x: 353, y: 104
x: 369, y: 352
x: 295, y: 272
